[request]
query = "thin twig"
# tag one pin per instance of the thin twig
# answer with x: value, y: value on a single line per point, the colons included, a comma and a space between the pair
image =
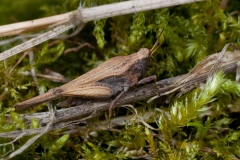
x: 134, y: 111
x: 93, y: 13
x: 33, y: 139
x: 27, y: 36
x: 19, y: 61
x: 75, y: 49
x: 51, y: 118
x: 35, y: 41
x: 78, y: 30
x: 84, y: 15
x: 17, y: 138
x: 219, y: 58
x: 33, y: 72
x: 4, y: 93
x: 54, y: 78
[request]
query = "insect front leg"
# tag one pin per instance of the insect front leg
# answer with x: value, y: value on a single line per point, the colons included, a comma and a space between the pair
x: 148, y: 79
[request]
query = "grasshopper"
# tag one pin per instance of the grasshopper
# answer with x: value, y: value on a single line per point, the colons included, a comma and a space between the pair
x: 110, y: 79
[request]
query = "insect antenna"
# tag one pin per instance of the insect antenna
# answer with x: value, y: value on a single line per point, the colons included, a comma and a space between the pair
x: 156, y: 44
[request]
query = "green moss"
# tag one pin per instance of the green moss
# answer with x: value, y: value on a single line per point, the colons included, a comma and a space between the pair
x: 202, y: 124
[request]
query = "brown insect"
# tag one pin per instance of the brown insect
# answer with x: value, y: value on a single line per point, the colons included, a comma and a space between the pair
x: 113, y: 77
